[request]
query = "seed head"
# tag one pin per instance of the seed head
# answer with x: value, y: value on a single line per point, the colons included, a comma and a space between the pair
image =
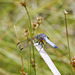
x: 34, y: 64
x: 26, y: 32
x: 73, y: 62
x: 34, y: 26
x: 23, y: 4
x: 40, y: 18
x: 32, y: 60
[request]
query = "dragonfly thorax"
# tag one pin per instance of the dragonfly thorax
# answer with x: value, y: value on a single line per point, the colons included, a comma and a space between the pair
x: 40, y: 37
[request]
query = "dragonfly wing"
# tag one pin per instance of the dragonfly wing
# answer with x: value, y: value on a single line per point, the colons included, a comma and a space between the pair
x: 49, y: 42
x: 24, y: 43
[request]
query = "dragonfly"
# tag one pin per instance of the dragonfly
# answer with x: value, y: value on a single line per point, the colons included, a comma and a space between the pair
x: 39, y: 38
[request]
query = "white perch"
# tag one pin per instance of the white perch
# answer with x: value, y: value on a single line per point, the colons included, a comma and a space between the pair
x: 47, y: 59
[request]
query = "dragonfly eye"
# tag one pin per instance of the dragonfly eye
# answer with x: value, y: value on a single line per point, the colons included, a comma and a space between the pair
x: 36, y: 37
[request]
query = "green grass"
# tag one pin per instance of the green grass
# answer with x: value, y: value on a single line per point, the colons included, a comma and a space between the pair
x: 53, y: 25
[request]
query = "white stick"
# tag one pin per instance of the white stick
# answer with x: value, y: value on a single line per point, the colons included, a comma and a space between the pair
x: 47, y: 59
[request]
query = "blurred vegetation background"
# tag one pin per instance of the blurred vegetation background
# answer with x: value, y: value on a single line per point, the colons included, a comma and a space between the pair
x: 53, y: 25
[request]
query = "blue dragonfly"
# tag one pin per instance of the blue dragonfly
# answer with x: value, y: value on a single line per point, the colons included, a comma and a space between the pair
x: 40, y: 39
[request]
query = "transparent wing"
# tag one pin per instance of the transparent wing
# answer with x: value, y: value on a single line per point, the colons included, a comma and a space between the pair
x: 24, y: 43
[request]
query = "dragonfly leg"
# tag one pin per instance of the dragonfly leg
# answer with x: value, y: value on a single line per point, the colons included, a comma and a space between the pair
x: 41, y: 47
x: 38, y: 43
